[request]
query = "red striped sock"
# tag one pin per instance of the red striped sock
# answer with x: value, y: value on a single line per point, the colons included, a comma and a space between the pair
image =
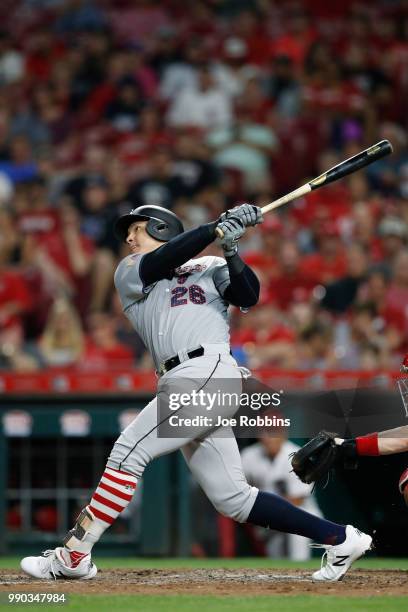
x: 113, y: 494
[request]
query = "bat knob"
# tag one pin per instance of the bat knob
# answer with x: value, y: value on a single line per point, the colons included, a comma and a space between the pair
x: 219, y: 232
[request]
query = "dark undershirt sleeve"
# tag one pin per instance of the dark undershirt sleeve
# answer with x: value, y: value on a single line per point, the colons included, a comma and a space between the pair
x: 243, y: 287
x: 162, y: 262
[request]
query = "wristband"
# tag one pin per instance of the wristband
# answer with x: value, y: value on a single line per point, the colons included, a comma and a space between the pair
x: 368, y: 445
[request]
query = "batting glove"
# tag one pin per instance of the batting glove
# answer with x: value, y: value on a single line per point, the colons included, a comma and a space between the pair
x: 247, y: 213
x: 232, y: 229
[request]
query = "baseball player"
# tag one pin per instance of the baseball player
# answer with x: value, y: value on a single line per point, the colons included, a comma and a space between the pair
x: 314, y: 460
x: 388, y: 442
x: 179, y: 307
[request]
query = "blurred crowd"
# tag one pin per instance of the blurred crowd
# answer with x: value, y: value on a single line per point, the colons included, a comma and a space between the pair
x: 198, y: 106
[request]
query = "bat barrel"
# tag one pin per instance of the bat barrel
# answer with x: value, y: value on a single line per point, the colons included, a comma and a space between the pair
x: 348, y: 166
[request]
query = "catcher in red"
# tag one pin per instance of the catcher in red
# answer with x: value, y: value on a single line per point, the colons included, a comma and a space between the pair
x: 314, y: 460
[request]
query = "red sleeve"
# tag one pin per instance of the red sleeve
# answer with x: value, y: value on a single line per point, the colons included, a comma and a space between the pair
x: 17, y: 291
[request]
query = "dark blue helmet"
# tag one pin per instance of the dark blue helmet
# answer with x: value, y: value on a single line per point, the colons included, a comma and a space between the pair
x: 162, y: 224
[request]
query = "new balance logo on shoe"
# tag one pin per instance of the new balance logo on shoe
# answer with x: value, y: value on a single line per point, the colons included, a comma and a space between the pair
x: 341, y: 560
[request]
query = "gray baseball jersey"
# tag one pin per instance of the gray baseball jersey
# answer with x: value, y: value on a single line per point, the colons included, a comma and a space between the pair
x: 178, y: 314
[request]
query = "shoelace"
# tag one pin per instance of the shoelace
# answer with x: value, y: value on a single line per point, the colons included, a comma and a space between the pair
x: 46, y: 554
x: 325, y: 561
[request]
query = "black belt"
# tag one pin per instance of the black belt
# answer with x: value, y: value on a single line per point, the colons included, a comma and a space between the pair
x: 171, y: 363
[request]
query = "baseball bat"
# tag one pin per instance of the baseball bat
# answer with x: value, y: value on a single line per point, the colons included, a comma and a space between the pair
x: 348, y: 166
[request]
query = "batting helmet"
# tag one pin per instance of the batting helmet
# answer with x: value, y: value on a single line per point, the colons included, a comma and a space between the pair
x: 162, y: 224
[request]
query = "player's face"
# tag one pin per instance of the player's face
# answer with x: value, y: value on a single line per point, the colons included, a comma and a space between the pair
x: 271, y: 443
x: 139, y: 240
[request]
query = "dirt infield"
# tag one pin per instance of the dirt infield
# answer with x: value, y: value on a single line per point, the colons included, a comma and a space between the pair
x: 360, y: 583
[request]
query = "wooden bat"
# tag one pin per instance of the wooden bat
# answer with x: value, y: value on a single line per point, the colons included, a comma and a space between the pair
x: 348, y: 166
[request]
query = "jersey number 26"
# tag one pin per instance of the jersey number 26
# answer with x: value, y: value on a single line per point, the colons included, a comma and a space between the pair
x: 181, y: 295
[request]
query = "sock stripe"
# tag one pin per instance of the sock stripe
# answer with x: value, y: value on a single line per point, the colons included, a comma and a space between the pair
x: 122, y: 475
x: 125, y: 496
x: 101, y: 515
x: 104, y: 508
x: 130, y: 483
x: 102, y: 490
x: 107, y: 502
x: 121, y: 472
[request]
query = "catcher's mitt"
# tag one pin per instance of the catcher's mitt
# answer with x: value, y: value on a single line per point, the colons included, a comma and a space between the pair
x: 314, y: 459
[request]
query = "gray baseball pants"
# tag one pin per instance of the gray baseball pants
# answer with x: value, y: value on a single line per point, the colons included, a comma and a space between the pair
x: 212, y: 455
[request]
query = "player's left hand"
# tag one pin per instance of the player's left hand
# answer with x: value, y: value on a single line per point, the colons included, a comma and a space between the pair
x: 247, y: 213
x: 232, y: 229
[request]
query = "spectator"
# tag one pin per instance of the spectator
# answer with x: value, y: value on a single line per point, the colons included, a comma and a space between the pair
x: 363, y: 230
x: 246, y: 146
x: 316, y: 349
x: 17, y: 356
x: 340, y: 295
x: 141, y: 72
x: 80, y: 16
x: 233, y: 72
x: 192, y: 166
x: 63, y: 256
x: 374, y: 289
x: 123, y: 111
x: 205, y: 106
x: 329, y: 262
x: 11, y: 61
x: 393, y: 233
x: 94, y: 168
x: 15, y: 301
x: 90, y: 62
x: 160, y: 187
x: 272, y: 238
x: 52, y: 116
x: 249, y: 26
x: 290, y: 283
x: 283, y: 87
x: 296, y: 42
x: 134, y: 149
x: 96, y: 228
x: 103, y: 350
x: 270, y: 342
x: 182, y: 73
x: 20, y: 165
x: 62, y: 341
x: 363, y: 342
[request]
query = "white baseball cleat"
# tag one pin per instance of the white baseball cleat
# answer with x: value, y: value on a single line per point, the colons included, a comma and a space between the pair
x: 339, y: 558
x: 51, y: 565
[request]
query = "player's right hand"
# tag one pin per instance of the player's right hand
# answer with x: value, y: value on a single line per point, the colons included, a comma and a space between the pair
x: 232, y: 229
x: 247, y: 213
